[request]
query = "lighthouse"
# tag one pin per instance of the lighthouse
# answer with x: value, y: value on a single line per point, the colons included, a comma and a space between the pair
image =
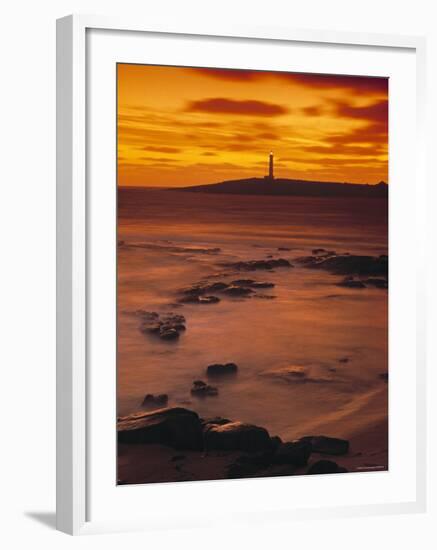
x: 271, y: 176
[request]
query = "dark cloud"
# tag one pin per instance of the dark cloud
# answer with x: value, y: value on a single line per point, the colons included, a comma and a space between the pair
x: 377, y: 113
x: 357, y: 83
x: 224, y: 105
x: 163, y: 160
x: 374, y: 133
x: 343, y: 149
x: 314, y: 110
x: 267, y: 135
x: 162, y: 149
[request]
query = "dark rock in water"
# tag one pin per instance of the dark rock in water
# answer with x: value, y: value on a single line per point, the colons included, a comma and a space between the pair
x: 264, y: 296
x: 238, y: 291
x: 240, y: 470
x: 166, y: 326
x: 249, y: 465
x: 217, y: 369
x: 208, y: 300
x: 168, y: 334
x: 177, y: 458
x: 237, y: 436
x: 175, y: 427
x: 384, y: 376
x: 253, y: 265
x: 379, y: 283
x: 215, y: 287
x: 348, y: 264
x: 198, y: 293
x: 200, y: 289
x: 156, y: 401
x: 325, y: 467
x: 296, y: 453
x: 243, y: 282
x: 262, y: 284
x: 343, y: 360
x: 327, y: 445
x: 350, y: 282
x: 202, y: 389
x: 216, y: 420
x: 250, y: 283
x: 276, y: 442
x: 194, y: 299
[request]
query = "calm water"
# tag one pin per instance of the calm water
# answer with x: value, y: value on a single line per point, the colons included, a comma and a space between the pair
x: 311, y: 322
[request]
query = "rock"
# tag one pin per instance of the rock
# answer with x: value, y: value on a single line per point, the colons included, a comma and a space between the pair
x: 166, y: 326
x: 198, y: 293
x: 202, y: 389
x: 325, y: 467
x: 253, y: 265
x: 194, y: 299
x: 384, y: 376
x: 379, y: 283
x: 243, y: 282
x: 168, y: 334
x: 216, y: 420
x: 262, y: 284
x: 238, y: 291
x: 175, y: 427
x: 348, y: 264
x: 343, y: 360
x: 217, y: 369
x: 177, y: 458
x: 215, y: 287
x: 296, y: 453
x: 350, y: 282
x: 276, y: 441
x: 252, y: 284
x: 237, y: 436
x: 156, y: 401
x: 208, y: 300
x: 327, y: 445
x: 249, y: 465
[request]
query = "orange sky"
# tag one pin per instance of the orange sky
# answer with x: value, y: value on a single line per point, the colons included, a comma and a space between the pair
x: 182, y: 126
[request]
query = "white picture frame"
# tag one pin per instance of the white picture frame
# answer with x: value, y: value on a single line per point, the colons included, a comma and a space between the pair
x: 74, y: 339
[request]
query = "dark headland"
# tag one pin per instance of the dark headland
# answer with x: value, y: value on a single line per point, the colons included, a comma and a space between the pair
x: 266, y: 186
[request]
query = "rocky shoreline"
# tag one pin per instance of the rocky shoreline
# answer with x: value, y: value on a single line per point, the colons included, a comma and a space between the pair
x: 248, y: 450
x: 164, y: 443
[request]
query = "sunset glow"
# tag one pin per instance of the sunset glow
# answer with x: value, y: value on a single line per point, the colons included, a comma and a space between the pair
x: 187, y: 126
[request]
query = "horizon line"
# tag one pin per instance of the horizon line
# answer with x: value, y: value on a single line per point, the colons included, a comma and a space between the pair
x: 143, y: 186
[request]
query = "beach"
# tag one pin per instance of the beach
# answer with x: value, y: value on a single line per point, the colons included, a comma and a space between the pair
x: 304, y: 323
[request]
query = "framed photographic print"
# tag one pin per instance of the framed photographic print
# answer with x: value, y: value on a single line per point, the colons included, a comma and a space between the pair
x: 235, y: 312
